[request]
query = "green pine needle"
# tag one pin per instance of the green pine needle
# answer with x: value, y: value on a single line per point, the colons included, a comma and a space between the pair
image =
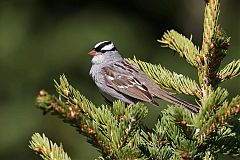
x: 224, y: 140
x: 181, y: 45
x: 210, y: 24
x: 73, y: 96
x: 112, y: 129
x: 47, y: 149
x: 207, y: 114
x: 173, y: 136
x: 230, y: 71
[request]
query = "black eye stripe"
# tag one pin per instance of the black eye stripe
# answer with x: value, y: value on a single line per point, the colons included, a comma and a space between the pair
x: 98, y: 48
x: 103, y: 51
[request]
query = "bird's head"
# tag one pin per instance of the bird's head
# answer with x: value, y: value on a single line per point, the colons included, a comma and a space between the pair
x: 104, y: 52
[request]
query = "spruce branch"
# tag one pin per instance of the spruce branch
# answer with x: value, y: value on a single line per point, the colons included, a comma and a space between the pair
x: 215, y: 99
x: 174, y: 135
x: 73, y: 96
x: 223, y: 114
x: 47, y: 149
x: 113, y: 130
x: 209, y: 25
x: 158, y: 145
x: 168, y: 79
x: 217, y: 52
x: 208, y: 59
x: 181, y: 45
x: 72, y: 114
x: 218, y: 114
x: 229, y: 71
x: 225, y: 140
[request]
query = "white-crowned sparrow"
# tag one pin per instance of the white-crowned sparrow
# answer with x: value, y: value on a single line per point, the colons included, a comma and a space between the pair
x: 116, y: 78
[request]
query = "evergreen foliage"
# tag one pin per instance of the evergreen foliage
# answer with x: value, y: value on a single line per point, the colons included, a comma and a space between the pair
x: 46, y: 148
x: 117, y: 130
x: 182, y: 45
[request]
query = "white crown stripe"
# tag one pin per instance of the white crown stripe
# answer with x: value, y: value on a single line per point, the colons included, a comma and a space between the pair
x: 108, y: 47
x: 98, y: 44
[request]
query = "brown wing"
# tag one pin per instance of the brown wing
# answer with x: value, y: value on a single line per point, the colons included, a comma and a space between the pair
x: 120, y: 79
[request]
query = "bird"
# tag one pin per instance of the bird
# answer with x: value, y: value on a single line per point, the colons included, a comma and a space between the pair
x: 117, y: 79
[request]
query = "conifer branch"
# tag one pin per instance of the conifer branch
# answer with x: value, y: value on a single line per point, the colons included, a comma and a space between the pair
x: 113, y: 130
x: 208, y: 59
x: 47, y: 149
x: 73, y: 114
x: 181, y: 45
x: 215, y: 99
x: 225, y: 140
x: 174, y: 135
x: 210, y: 22
x: 158, y: 143
x: 168, y: 79
x: 217, y: 52
x: 229, y: 71
x: 223, y: 114
x: 73, y: 96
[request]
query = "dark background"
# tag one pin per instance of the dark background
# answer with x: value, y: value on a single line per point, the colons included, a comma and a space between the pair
x: 41, y: 39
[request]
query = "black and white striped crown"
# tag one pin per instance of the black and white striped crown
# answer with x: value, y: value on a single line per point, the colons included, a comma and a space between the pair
x: 104, y: 46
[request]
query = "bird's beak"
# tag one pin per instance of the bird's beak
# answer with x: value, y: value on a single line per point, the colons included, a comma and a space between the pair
x: 92, y: 53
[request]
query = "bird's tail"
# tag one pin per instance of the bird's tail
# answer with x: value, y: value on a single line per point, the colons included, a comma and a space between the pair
x: 167, y: 97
